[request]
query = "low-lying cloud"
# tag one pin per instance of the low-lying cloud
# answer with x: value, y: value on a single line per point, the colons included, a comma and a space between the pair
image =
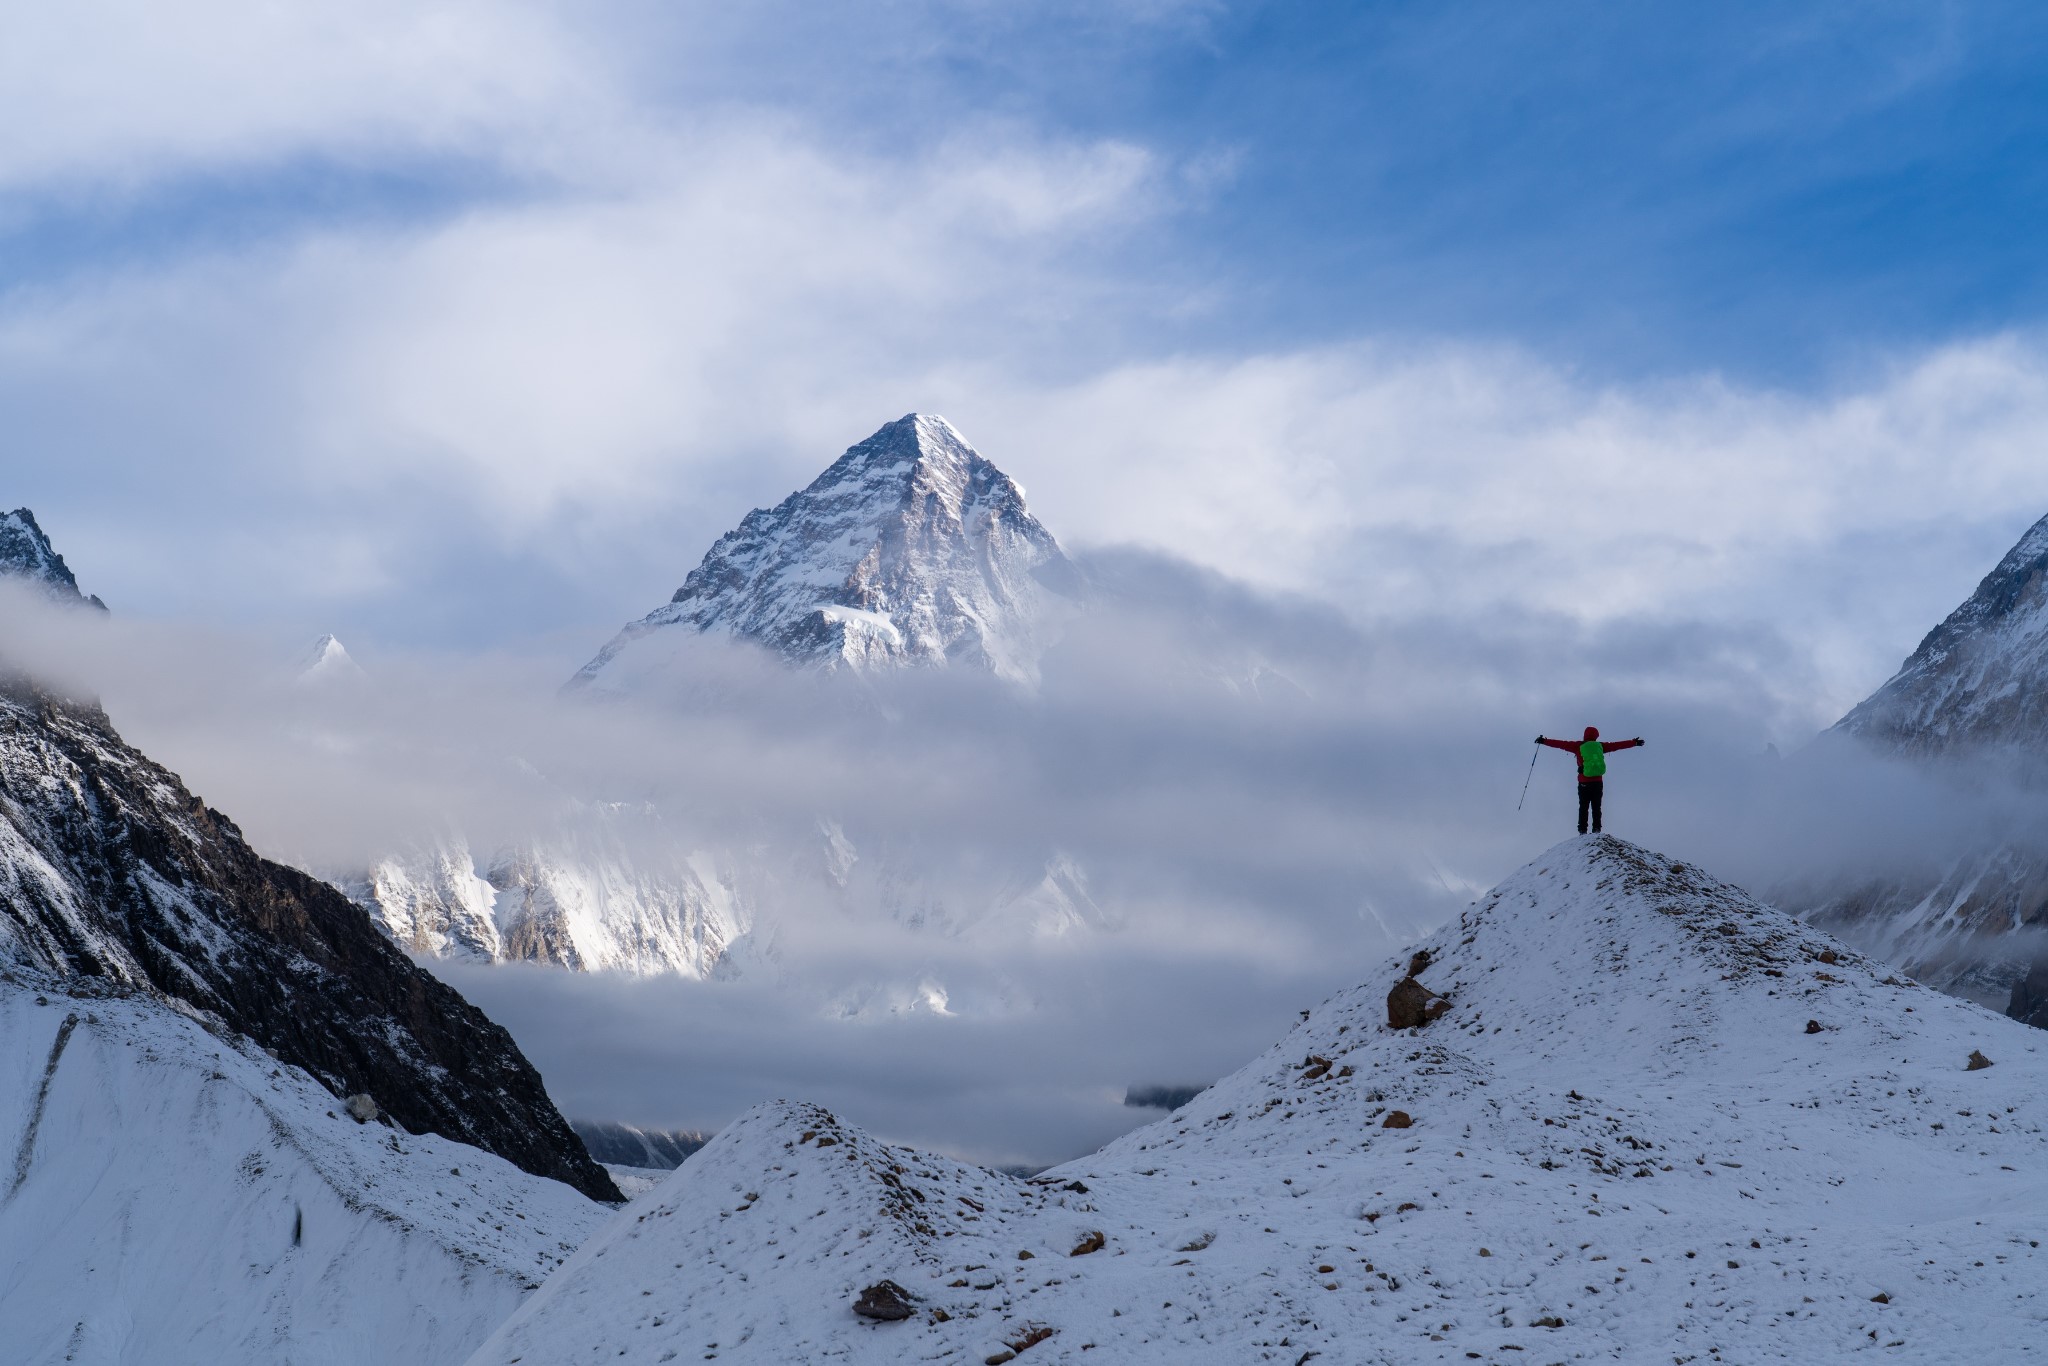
x: 1268, y: 797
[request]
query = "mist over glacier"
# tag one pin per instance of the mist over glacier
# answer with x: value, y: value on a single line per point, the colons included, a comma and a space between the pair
x: 1267, y: 794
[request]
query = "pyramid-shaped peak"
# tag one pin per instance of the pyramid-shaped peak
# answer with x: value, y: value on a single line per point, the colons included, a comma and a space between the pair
x: 910, y: 548
x: 326, y: 659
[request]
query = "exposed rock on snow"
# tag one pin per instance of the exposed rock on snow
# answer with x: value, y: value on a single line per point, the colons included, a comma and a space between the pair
x: 26, y: 553
x: 1623, y: 1147
x: 110, y: 870
x: 910, y: 549
x: 176, y: 1197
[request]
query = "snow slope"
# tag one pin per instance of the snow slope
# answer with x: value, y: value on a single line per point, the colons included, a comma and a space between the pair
x: 911, y: 548
x: 1628, y: 1144
x: 171, y: 1195
x: 1977, y: 680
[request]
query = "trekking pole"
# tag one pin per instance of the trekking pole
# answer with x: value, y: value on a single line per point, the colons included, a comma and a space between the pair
x: 1525, y: 782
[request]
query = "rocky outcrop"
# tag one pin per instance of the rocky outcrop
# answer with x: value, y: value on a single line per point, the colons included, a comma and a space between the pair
x: 112, y: 873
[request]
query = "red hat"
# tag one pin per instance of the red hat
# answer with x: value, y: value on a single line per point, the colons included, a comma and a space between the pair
x: 1592, y: 732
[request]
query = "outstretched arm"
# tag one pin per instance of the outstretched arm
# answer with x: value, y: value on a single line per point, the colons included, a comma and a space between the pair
x: 1609, y: 746
x: 1565, y: 745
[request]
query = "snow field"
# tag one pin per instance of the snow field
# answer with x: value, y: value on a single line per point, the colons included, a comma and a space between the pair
x: 169, y: 1196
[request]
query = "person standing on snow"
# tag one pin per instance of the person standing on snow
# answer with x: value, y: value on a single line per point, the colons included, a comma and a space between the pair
x: 1592, y: 752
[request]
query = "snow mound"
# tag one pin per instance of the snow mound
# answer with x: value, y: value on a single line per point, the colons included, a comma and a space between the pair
x: 172, y: 1195
x: 1660, y: 1121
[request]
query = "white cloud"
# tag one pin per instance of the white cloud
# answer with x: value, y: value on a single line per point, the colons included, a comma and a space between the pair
x: 118, y: 94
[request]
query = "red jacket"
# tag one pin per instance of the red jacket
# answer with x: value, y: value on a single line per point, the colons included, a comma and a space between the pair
x: 1572, y: 747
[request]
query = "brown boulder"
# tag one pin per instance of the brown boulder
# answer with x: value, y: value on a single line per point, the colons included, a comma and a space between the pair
x: 1419, y: 962
x: 1411, y: 1005
x: 885, y: 1301
x: 1978, y: 1062
x: 1094, y: 1242
x: 1397, y: 1119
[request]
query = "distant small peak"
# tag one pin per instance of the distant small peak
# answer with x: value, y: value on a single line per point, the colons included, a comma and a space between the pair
x: 326, y: 658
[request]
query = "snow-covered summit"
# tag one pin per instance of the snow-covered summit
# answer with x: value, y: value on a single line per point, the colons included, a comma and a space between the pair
x: 1659, y: 1120
x: 1980, y: 678
x: 910, y: 549
x: 325, y: 661
x: 26, y: 553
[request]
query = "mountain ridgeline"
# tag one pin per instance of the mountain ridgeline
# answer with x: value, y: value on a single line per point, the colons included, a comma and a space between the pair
x: 1970, y: 704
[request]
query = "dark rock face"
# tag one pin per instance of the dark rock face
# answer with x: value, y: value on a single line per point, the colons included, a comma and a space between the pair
x: 26, y: 553
x: 624, y: 1145
x: 2029, y: 1003
x: 110, y: 870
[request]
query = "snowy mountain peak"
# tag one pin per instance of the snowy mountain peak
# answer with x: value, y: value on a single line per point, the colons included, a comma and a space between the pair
x: 1980, y: 678
x: 26, y: 553
x: 911, y: 548
x: 1653, y: 1105
x: 326, y: 660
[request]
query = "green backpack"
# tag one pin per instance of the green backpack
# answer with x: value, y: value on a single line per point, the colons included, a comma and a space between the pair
x: 1592, y: 760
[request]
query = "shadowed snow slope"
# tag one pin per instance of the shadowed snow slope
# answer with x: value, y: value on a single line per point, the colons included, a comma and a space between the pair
x: 170, y: 1195
x: 1626, y: 1146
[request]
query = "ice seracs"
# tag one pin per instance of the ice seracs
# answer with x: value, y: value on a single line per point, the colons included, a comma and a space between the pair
x: 1659, y: 1121
x: 911, y: 548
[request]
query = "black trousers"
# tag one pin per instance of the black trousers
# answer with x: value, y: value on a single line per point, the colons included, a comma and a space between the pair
x: 1589, y: 800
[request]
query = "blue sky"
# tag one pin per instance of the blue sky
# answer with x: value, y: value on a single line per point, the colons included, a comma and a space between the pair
x: 470, y: 325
